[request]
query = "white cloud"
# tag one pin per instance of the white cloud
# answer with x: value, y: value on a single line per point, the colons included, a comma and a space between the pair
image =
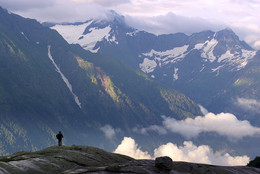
x: 203, y: 110
x: 224, y: 124
x: 159, y: 129
x: 130, y: 148
x: 25, y: 4
x: 191, y: 16
x: 157, y: 16
x: 257, y: 44
x: 105, y: 2
x: 249, y: 32
x: 172, y: 23
x: 188, y: 152
x: 109, y: 131
x: 249, y: 104
x: 199, y: 154
x: 56, y: 11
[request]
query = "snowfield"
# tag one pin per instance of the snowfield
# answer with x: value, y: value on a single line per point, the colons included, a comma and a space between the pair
x: 148, y: 65
x: 235, y: 59
x: 74, y: 34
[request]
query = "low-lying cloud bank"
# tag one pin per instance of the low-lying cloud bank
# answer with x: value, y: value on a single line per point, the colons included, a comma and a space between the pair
x: 251, y: 105
x: 130, y: 148
x: 224, y: 124
x: 109, y: 131
x: 188, y: 152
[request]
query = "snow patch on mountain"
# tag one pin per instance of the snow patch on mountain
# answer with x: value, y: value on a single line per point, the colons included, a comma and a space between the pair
x: 167, y: 56
x: 236, y: 58
x: 64, y: 78
x: 132, y: 33
x: 90, y: 40
x: 175, y: 75
x: 226, y: 56
x: 74, y: 34
x: 248, y: 53
x: 199, y: 46
x: 71, y: 33
x: 217, y: 69
x: 208, y: 48
x: 111, y: 38
x: 162, y: 57
x: 239, y: 60
x: 148, y: 65
x: 25, y: 36
x: 90, y: 33
x: 203, y: 67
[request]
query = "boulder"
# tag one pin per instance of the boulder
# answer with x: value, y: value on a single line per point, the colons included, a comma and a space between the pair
x: 164, y: 163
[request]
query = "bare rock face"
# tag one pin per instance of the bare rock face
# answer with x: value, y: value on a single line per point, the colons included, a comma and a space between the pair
x: 91, y: 160
x: 164, y: 163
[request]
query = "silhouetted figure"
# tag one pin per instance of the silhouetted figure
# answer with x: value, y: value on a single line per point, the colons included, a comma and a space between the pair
x: 59, y: 136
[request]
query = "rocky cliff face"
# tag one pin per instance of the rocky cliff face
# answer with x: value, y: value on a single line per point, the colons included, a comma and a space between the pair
x: 85, y: 159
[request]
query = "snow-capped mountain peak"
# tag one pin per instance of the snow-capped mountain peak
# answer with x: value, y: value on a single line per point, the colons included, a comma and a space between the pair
x: 215, y: 51
x: 113, y: 16
x: 226, y: 49
x: 219, y: 50
x: 86, y: 34
x: 92, y: 32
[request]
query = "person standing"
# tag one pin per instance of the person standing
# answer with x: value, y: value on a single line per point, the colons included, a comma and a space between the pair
x: 59, y: 136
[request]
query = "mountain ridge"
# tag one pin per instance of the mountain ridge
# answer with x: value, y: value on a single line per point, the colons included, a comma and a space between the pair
x: 228, y: 49
x: 179, y: 61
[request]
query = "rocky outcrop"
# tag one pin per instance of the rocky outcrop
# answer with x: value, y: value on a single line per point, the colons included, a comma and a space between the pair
x: 85, y: 159
x: 164, y: 163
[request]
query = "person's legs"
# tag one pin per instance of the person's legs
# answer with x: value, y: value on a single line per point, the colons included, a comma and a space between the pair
x: 60, y: 143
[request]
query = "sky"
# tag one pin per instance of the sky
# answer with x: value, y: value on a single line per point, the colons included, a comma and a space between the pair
x: 156, y: 16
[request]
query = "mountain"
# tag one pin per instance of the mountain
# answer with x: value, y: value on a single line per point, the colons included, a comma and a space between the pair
x: 47, y: 85
x: 245, y: 86
x: 205, y: 66
x: 35, y: 101
x: 85, y: 159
